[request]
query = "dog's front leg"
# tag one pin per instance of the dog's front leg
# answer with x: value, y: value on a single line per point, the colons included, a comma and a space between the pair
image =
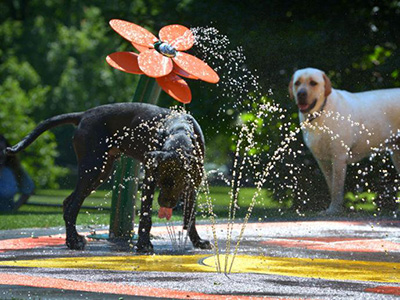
x: 396, y: 158
x: 396, y: 161
x: 189, y: 221
x: 339, y: 168
x: 144, y: 245
x: 326, y: 168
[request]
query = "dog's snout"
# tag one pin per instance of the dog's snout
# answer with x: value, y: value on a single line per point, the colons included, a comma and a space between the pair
x: 302, y: 96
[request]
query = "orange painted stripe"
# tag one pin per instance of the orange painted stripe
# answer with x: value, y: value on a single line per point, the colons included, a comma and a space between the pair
x: 391, y: 290
x: 111, y: 288
x: 330, y: 239
x: 29, y: 243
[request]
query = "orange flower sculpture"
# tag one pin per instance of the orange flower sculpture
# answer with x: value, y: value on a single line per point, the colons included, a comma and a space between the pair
x: 162, y: 58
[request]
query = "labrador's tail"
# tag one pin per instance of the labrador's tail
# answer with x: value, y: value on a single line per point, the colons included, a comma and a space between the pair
x: 71, y: 118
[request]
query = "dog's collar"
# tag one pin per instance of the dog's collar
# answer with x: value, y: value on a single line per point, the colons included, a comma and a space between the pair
x: 318, y: 113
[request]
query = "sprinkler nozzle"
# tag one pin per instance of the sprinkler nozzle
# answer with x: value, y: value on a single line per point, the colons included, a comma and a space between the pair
x: 165, y: 49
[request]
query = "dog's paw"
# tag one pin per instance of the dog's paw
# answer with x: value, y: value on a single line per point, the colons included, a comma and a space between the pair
x: 331, y: 212
x: 145, y: 248
x: 202, y: 244
x: 76, y: 243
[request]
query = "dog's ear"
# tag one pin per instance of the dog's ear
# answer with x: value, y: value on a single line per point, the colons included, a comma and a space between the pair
x: 328, y: 85
x: 153, y: 158
x: 291, y: 87
x: 195, y: 166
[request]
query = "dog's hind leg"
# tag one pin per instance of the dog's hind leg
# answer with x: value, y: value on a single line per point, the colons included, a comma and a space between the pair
x: 90, y: 177
x: 189, y: 221
x: 94, y: 167
x: 72, y: 205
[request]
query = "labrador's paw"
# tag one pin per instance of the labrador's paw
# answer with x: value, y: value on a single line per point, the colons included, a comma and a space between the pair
x: 145, y: 248
x: 77, y: 242
x: 332, y: 211
x: 202, y: 244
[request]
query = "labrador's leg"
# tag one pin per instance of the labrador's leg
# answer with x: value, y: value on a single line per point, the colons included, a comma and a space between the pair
x: 326, y: 168
x: 94, y: 167
x: 396, y: 161
x: 143, y: 244
x: 339, y: 168
x: 189, y: 221
x: 92, y: 173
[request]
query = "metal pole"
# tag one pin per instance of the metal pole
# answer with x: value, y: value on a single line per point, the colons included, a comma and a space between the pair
x: 125, y: 189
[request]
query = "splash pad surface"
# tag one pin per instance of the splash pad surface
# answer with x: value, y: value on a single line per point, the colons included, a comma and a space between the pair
x: 275, y: 259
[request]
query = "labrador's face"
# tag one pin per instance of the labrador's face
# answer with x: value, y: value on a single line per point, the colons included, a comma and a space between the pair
x: 174, y: 173
x: 172, y: 182
x: 309, y: 88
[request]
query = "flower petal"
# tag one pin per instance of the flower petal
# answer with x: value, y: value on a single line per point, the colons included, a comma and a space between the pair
x: 178, y: 36
x: 196, y: 67
x: 133, y: 33
x: 179, y: 71
x: 140, y: 48
x: 124, y: 61
x: 154, y: 64
x: 176, y: 87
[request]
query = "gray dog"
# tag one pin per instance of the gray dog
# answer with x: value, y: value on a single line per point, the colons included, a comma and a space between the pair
x: 169, y: 143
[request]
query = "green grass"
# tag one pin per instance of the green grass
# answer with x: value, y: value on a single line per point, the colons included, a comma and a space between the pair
x: 93, y: 214
x: 33, y: 216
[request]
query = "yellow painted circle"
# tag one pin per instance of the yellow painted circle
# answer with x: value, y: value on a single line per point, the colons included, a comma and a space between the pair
x: 312, y: 268
x: 300, y: 267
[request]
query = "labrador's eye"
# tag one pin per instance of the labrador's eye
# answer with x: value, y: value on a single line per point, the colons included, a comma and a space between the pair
x: 297, y: 83
x: 313, y: 83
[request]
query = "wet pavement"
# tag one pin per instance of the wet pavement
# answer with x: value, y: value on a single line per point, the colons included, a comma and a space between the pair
x: 275, y: 260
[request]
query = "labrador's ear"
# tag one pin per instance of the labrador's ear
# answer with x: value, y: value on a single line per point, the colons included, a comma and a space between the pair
x: 196, y: 168
x: 168, y: 161
x: 328, y: 85
x: 291, y: 87
x: 153, y: 158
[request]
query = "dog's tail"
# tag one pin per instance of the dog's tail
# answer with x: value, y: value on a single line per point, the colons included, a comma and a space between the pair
x: 71, y: 118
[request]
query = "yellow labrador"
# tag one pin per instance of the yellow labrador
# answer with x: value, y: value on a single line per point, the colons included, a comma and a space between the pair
x: 341, y: 128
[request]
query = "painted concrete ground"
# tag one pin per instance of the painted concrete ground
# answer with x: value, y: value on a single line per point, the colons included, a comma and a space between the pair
x: 275, y: 260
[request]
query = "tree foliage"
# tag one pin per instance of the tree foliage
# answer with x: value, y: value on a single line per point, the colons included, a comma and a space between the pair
x: 52, y: 61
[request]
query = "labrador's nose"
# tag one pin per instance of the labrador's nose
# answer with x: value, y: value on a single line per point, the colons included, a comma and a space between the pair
x: 302, y: 96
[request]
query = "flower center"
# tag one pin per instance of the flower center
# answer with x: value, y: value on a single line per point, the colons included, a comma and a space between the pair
x: 165, y: 49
